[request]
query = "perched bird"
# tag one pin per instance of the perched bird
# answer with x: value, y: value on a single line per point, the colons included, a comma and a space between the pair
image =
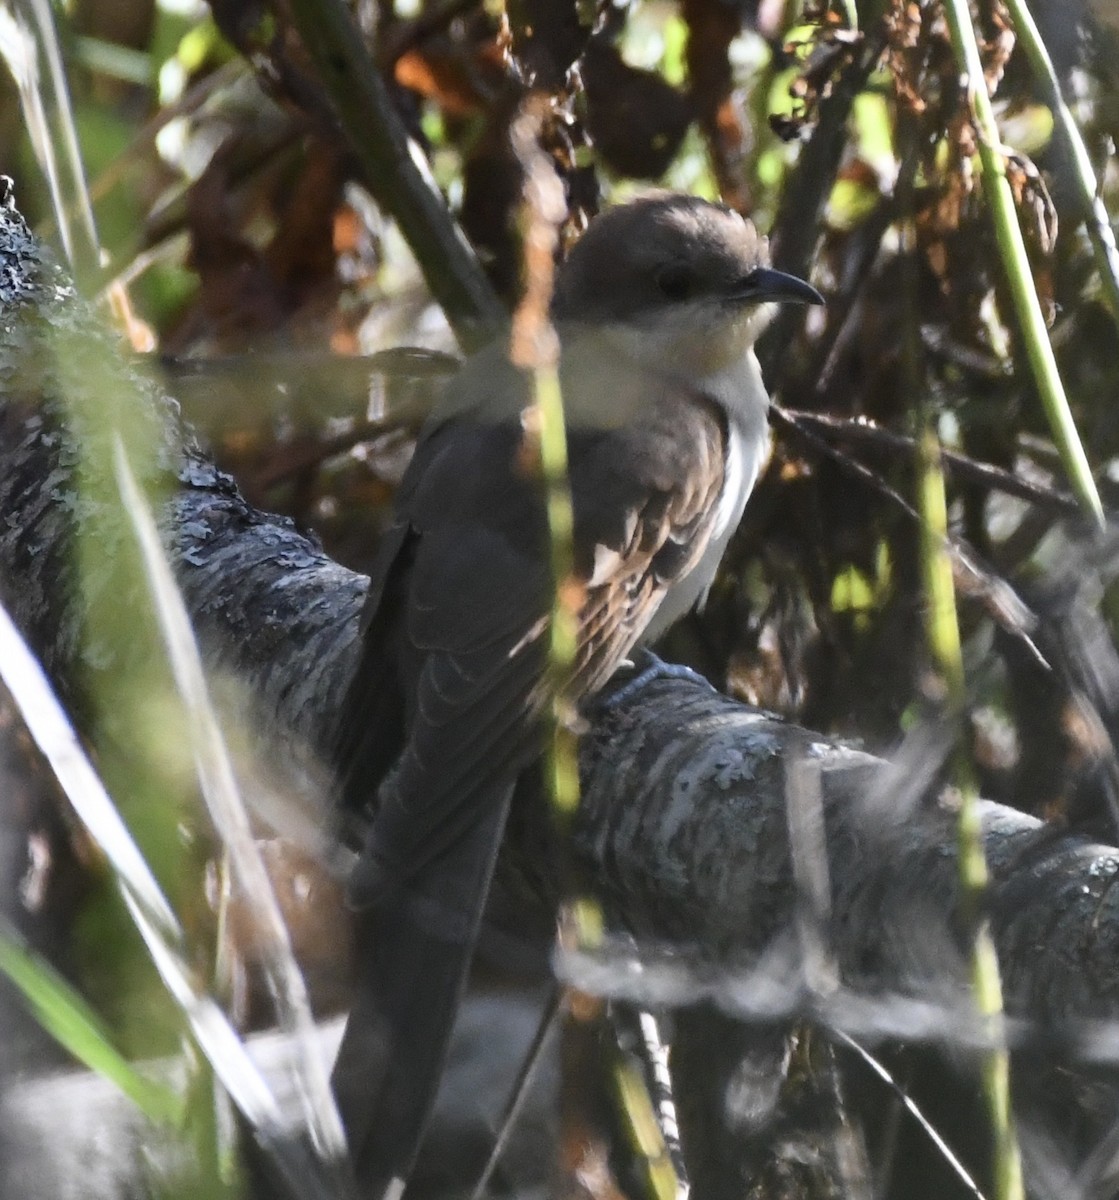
x: 658, y: 307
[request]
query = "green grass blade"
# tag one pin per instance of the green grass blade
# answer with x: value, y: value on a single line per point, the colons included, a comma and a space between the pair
x: 62, y: 1012
x: 216, y: 776
x: 154, y: 918
x: 52, y: 732
x: 1091, y: 204
x: 1012, y: 248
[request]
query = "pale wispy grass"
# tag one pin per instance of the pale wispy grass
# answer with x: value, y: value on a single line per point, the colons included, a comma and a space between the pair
x: 218, y: 785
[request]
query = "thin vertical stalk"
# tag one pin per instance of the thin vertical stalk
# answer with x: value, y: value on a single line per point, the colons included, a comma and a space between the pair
x: 1096, y: 220
x: 220, y: 791
x: 1012, y: 248
x: 563, y: 760
x: 944, y: 643
x: 946, y: 652
x: 535, y: 348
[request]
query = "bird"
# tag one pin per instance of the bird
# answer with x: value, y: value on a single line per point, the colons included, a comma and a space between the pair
x: 658, y: 307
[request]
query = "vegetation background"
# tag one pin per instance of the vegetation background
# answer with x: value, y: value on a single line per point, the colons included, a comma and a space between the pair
x: 273, y: 249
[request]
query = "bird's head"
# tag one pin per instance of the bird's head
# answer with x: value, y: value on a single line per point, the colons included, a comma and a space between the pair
x: 678, y: 278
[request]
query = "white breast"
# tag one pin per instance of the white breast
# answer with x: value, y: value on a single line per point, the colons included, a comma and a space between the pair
x: 741, y: 394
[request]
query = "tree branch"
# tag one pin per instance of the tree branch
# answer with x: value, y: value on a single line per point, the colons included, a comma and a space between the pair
x: 392, y: 165
x: 684, y: 822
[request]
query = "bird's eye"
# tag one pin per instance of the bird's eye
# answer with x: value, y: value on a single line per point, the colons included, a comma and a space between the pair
x: 675, y: 282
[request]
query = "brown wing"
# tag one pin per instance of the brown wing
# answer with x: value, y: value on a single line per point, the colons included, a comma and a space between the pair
x: 455, y: 638
x: 646, y: 497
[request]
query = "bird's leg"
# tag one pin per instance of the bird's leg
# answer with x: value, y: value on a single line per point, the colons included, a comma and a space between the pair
x: 648, y: 668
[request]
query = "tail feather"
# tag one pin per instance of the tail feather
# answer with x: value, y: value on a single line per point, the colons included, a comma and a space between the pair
x: 414, y: 957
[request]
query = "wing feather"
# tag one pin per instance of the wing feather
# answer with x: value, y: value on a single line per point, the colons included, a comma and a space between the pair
x: 469, y: 645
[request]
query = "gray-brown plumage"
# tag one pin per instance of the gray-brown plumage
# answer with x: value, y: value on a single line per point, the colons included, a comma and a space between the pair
x: 658, y: 308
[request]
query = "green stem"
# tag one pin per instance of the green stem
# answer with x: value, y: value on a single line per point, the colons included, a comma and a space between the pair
x: 1012, y: 248
x: 1092, y: 208
x: 940, y: 593
x: 535, y: 348
x: 563, y: 761
x: 944, y: 642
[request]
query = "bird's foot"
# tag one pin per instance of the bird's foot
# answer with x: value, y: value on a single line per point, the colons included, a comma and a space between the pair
x: 648, y: 668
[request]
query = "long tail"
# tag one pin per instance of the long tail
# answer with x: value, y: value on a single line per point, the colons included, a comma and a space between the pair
x: 414, y: 954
